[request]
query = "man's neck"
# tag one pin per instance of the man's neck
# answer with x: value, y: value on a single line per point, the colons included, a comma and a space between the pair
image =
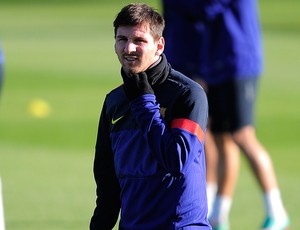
x: 155, y: 63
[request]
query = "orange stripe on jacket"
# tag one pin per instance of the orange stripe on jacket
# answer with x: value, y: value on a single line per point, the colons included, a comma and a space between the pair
x: 189, y: 126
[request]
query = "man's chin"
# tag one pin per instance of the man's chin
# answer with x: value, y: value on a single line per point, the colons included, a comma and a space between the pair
x: 132, y: 70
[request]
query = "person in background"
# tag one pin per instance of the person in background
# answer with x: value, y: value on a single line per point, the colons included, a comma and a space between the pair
x: 218, y: 44
x: 149, y: 160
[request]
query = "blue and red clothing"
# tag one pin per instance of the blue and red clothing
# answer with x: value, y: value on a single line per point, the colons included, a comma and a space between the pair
x: 150, y: 160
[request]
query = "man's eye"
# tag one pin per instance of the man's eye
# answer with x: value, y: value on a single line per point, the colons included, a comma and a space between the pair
x: 122, y: 39
x: 139, y: 41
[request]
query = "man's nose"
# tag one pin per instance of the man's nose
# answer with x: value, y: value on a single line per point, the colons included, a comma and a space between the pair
x: 130, y: 47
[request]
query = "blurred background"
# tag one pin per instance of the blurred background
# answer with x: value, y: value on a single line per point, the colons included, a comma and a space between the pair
x: 59, y: 63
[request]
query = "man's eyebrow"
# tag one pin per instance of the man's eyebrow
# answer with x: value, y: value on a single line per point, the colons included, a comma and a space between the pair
x: 135, y: 38
x: 121, y: 36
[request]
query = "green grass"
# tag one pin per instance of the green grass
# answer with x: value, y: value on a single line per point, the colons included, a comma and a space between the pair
x: 63, y: 53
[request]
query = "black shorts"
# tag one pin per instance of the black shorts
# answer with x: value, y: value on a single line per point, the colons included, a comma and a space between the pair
x: 231, y: 104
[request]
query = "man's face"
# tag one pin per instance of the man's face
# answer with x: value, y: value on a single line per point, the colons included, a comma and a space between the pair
x: 136, y: 48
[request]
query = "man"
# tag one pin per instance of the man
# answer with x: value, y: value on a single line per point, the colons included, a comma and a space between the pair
x: 149, y: 160
x: 218, y: 43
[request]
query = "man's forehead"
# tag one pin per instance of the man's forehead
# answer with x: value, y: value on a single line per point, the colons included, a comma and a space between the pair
x: 138, y: 30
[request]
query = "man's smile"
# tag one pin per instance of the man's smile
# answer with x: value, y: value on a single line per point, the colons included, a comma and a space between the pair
x: 130, y: 57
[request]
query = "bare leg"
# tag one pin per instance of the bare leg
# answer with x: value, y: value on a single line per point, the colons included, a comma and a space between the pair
x: 262, y: 168
x: 258, y: 157
x: 211, y: 155
x: 228, y: 169
x: 229, y: 162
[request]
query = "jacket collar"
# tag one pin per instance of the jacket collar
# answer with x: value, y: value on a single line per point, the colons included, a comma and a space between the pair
x: 156, y: 74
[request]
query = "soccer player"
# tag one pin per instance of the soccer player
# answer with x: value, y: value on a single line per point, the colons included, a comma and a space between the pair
x: 150, y: 160
x: 218, y: 44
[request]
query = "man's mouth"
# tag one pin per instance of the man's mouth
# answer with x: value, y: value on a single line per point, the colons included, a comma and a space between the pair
x: 130, y: 58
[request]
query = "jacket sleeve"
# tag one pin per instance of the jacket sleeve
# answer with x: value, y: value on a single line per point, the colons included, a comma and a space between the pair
x: 197, y: 9
x: 177, y: 146
x: 108, y: 191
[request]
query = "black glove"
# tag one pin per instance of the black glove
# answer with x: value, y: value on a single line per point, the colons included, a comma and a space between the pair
x: 136, y: 85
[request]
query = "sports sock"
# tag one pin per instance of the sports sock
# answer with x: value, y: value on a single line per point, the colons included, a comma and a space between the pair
x: 221, y: 210
x: 211, y: 191
x: 274, y: 206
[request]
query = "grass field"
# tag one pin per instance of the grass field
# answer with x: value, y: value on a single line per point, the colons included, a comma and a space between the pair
x: 63, y: 53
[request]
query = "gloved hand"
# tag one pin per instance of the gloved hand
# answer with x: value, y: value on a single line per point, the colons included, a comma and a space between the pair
x: 136, y: 85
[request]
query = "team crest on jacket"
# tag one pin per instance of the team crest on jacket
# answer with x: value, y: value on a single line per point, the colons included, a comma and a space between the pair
x: 162, y: 111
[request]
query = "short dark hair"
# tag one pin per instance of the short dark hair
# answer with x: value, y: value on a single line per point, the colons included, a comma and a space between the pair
x: 140, y: 13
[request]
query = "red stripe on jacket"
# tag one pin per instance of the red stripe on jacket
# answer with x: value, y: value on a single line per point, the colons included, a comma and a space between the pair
x: 189, y: 126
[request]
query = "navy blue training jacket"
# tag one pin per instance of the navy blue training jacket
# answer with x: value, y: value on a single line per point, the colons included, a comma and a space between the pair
x: 149, y: 159
x: 214, y: 40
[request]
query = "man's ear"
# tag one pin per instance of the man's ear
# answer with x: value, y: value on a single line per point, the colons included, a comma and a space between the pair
x: 160, y: 45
